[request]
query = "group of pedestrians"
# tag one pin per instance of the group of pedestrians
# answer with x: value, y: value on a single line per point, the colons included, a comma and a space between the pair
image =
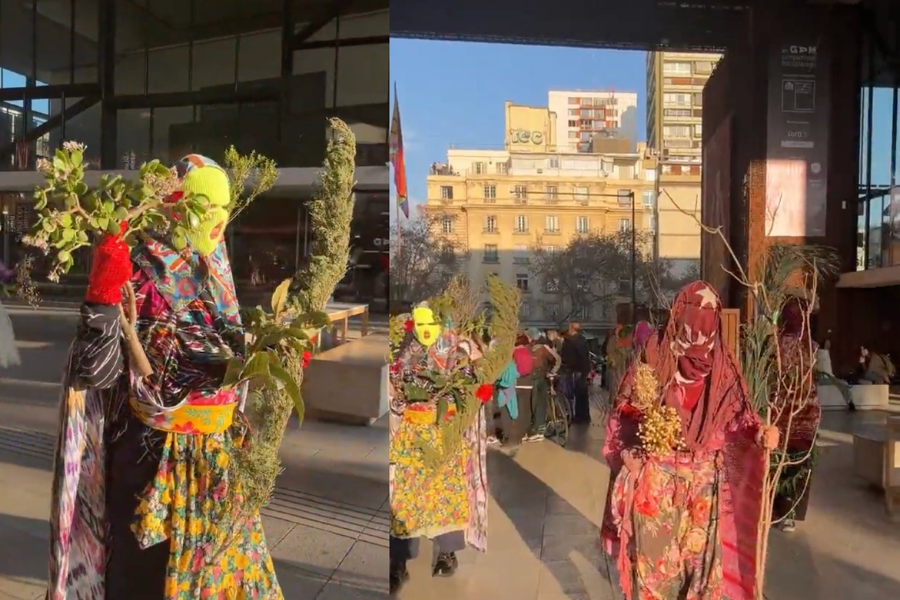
x: 542, y: 362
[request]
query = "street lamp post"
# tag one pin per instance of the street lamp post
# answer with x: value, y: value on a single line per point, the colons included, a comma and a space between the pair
x: 633, y: 260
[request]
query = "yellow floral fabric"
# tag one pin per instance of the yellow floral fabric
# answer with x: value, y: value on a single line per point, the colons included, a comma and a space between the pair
x: 215, y: 552
x: 425, y: 502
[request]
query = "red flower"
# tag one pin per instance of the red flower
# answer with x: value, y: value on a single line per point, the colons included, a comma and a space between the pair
x: 307, y: 356
x: 175, y: 197
x: 485, y: 392
x: 409, y: 325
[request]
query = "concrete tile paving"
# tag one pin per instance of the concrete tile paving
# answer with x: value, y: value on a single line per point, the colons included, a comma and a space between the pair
x: 547, y: 502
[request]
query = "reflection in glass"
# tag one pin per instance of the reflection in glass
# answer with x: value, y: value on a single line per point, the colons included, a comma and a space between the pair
x: 168, y: 70
x: 265, y: 241
x: 132, y: 138
x: 259, y: 56
x: 214, y: 63
x: 16, y: 40
x: 172, y: 133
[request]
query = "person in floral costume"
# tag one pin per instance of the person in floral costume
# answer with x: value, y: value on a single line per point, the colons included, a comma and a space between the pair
x: 443, y: 500
x: 799, y: 419
x: 144, y: 504
x: 684, y: 521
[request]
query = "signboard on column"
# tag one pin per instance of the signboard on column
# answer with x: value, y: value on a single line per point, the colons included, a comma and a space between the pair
x: 797, y: 134
x: 716, y: 207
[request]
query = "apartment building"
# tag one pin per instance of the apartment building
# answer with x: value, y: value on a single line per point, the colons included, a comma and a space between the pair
x: 582, y: 116
x: 675, y: 83
x: 502, y: 205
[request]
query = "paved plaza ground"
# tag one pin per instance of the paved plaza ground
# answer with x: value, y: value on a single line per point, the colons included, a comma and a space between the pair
x: 547, y: 503
x: 328, y: 524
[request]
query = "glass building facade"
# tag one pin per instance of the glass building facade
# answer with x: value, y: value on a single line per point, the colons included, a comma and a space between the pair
x: 157, y: 79
x: 878, y: 214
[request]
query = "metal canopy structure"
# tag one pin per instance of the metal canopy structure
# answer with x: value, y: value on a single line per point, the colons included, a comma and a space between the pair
x: 696, y: 25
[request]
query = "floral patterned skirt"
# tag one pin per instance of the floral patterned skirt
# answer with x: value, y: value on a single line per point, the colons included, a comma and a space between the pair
x: 214, y: 551
x: 669, y: 515
x: 426, y: 502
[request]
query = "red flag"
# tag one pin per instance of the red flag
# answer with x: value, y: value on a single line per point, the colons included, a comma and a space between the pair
x: 397, y: 158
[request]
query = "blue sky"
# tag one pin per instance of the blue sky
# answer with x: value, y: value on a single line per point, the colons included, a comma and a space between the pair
x: 453, y: 92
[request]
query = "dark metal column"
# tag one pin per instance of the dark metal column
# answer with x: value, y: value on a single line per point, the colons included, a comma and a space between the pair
x: 106, y: 49
x: 287, y: 67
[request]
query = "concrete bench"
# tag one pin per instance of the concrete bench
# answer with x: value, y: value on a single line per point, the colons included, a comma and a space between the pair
x: 830, y: 397
x: 876, y: 459
x: 349, y: 383
x: 869, y: 454
x: 871, y: 396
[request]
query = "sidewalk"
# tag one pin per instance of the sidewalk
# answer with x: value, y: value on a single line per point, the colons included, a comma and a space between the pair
x: 326, y: 526
x: 547, y: 503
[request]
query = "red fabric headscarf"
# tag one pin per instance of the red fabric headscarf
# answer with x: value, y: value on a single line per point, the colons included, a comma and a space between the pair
x: 701, y: 376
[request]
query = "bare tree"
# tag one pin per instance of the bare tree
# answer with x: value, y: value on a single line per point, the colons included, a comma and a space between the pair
x: 422, y: 261
x: 594, y: 271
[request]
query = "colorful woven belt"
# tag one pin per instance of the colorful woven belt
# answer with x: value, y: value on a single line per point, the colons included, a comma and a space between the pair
x: 194, y: 419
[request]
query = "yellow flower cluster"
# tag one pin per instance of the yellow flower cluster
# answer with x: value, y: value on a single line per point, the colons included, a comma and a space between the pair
x: 646, y: 387
x: 660, y: 431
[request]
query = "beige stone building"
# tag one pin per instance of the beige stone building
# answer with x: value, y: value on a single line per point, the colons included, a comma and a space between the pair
x: 500, y: 205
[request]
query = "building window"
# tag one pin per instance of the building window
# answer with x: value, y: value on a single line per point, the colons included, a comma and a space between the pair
x: 447, y: 224
x: 582, y: 224
x: 490, y: 253
x: 703, y: 67
x: 552, y: 311
x: 525, y: 310
x: 677, y: 131
x: 698, y: 130
x: 676, y: 68
x: 551, y: 192
x: 520, y: 192
x: 574, y: 100
x: 677, y: 99
x: 573, y: 135
x: 554, y: 162
x: 522, y: 281
x: 551, y: 249
x: 649, y: 198
x: 521, y: 256
x: 573, y: 122
x: 480, y: 168
x: 551, y: 224
x: 502, y: 168
x: 446, y: 192
x: 677, y: 112
x: 490, y: 224
x: 581, y: 193
x: 650, y: 174
x: 490, y: 192
x: 624, y: 197
x: 624, y: 225
x: 521, y: 224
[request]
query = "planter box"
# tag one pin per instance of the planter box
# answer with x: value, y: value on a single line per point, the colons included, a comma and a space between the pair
x: 349, y: 382
x: 871, y: 396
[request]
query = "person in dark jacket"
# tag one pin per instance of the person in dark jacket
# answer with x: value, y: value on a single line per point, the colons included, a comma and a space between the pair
x: 576, y: 364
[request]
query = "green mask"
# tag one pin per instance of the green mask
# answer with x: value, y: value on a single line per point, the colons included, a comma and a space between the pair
x: 211, y: 182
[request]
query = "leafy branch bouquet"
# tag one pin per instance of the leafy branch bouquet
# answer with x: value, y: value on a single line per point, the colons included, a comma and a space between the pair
x: 72, y: 215
x: 458, y: 392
